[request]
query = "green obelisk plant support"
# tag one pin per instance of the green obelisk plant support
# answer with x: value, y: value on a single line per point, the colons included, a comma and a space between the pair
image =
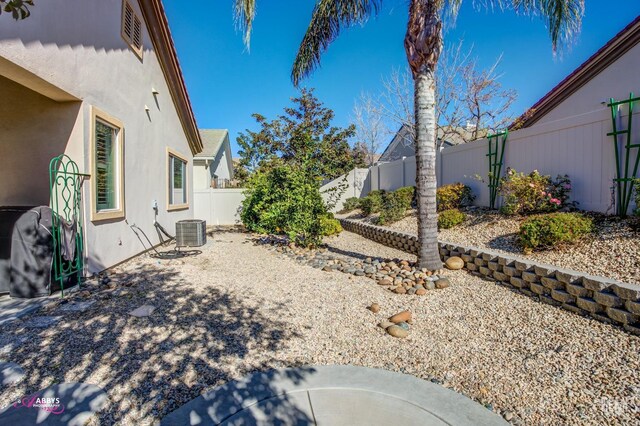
x: 496, y: 144
x: 623, y: 146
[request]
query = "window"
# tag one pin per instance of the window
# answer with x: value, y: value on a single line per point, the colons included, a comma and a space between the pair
x: 107, y: 198
x: 177, y: 181
x: 131, y: 28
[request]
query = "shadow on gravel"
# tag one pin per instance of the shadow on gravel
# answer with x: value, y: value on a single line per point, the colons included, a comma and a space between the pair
x: 152, y: 365
x: 506, y: 242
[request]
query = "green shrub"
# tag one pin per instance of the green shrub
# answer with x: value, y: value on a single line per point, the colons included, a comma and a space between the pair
x: 408, y: 194
x: 284, y: 199
x: 454, y: 196
x: 394, y: 205
x: 350, y: 204
x: 329, y: 225
x: 372, y: 202
x: 450, y: 218
x: 534, y: 193
x: 553, y: 229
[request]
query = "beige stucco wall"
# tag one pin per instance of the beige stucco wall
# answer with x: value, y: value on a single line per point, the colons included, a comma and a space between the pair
x: 76, y: 45
x: 616, y: 81
x: 33, y: 129
x: 201, y: 175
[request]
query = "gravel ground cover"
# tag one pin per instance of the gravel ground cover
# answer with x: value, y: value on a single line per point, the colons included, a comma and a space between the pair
x: 613, y: 251
x: 238, y: 307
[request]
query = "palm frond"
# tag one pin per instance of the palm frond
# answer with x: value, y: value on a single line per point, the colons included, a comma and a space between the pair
x: 245, y: 12
x: 563, y: 17
x: 328, y: 18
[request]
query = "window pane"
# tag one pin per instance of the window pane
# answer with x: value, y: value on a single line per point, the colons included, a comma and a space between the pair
x: 178, y: 181
x: 105, y: 156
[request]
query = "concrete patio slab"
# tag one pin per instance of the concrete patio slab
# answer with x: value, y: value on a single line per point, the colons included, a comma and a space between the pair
x: 332, y: 395
x: 69, y: 404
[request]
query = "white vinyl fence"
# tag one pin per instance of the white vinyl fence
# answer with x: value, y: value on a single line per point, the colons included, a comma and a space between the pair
x: 577, y: 146
x: 218, y: 206
x: 353, y: 184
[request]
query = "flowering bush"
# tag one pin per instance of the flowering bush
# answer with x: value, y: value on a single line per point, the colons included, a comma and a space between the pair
x: 454, y: 196
x: 534, y: 193
x: 551, y: 230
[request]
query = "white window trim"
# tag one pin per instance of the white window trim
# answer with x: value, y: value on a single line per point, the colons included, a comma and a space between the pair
x: 173, y: 153
x: 111, y: 214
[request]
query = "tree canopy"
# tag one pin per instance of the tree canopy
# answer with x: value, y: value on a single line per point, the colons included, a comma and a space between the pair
x: 301, y: 137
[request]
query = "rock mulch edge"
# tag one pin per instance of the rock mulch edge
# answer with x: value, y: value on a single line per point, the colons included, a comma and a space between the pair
x: 603, y: 299
x: 396, y: 275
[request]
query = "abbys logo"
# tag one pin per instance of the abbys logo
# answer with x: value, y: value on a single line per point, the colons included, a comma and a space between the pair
x: 50, y: 405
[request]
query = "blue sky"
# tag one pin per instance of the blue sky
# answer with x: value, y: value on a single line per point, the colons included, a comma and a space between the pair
x: 227, y: 83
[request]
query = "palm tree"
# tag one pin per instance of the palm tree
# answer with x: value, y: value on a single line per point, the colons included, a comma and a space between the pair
x: 423, y: 43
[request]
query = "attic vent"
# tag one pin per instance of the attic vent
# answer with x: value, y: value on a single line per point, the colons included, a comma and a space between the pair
x: 131, y: 28
x: 191, y: 233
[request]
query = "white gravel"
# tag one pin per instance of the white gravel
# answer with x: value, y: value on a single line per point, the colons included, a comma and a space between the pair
x: 612, y: 251
x: 238, y: 307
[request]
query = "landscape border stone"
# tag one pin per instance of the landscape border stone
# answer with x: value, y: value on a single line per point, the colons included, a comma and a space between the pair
x: 600, y: 298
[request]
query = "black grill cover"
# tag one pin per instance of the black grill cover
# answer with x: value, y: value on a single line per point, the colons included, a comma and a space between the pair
x: 8, y: 218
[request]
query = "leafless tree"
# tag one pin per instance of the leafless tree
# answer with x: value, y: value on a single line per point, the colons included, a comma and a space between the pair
x: 469, y: 101
x: 486, y: 103
x: 370, y: 127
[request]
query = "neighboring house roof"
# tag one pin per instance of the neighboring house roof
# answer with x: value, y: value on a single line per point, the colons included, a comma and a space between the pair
x: 212, y: 141
x: 620, y: 44
x: 216, y: 142
x: 402, y: 144
x: 402, y: 139
x: 158, y: 29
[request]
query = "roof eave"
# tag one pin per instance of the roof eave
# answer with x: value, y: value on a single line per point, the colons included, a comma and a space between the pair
x: 158, y: 28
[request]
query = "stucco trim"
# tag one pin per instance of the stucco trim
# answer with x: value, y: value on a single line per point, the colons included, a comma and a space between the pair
x: 158, y: 29
x: 173, y: 207
x: 620, y: 44
x: 113, y: 214
x: 31, y: 81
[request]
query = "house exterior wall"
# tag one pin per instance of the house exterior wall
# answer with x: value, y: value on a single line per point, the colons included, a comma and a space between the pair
x: 77, y: 46
x: 221, y: 165
x: 201, y: 175
x: 45, y: 127
x: 616, y: 81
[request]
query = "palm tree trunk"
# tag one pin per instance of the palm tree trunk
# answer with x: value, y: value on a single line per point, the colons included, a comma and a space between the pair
x: 423, y: 44
x: 426, y: 181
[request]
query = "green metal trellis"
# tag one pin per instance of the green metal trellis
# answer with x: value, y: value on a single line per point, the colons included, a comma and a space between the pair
x: 624, y: 182
x: 497, y: 143
x: 65, y: 190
